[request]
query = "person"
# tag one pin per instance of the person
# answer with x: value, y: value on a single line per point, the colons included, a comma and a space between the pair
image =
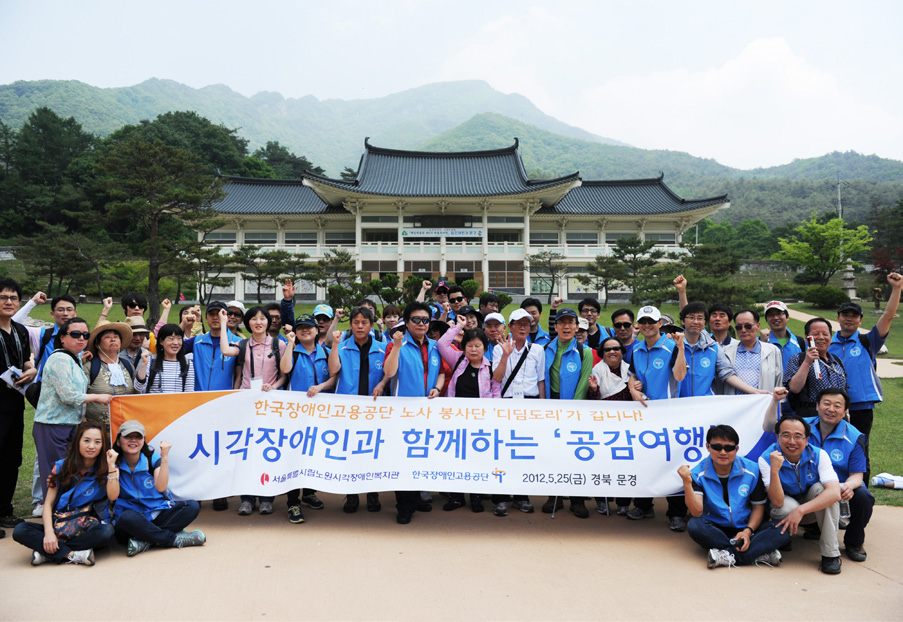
x: 847, y: 448
x: 212, y: 370
x: 802, y: 487
x: 236, y: 312
x: 719, y: 315
x: 494, y: 329
x: 589, y: 310
x: 106, y: 371
x: 437, y: 308
x: 623, y: 327
x: 256, y: 358
x: 145, y: 513
x: 582, y: 331
x: 534, y: 307
x: 275, y: 312
x: 15, y: 352
x: 171, y: 369
x: 726, y: 498
x: 357, y: 363
x: 473, y: 318
x: 489, y: 303
x: 756, y: 363
x: 63, y: 391
x: 777, y: 334
x: 817, y: 368
x: 390, y: 317
x: 307, y: 368
x: 78, y: 485
x: 456, y: 300
x: 134, y: 304
x: 132, y: 351
x: 849, y: 346
x: 364, y: 303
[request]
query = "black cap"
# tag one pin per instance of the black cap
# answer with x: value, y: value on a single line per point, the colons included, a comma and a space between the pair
x: 468, y: 310
x: 216, y: 306
x: 305, y: 320
x: 565, y: 312
x: 850, y: 306
x: 439, y: 325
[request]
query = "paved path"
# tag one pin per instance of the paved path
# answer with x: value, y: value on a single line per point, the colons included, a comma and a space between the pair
x: 451, y: 566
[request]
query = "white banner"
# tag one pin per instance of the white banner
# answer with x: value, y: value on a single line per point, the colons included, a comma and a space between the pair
x: 439, y: 232
x: 256, y: 443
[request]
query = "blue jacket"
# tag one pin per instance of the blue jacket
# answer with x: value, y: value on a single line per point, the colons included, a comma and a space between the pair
x: 85, y: 491
x: 706, y: 362
x: 859, y: 363
x: 741, y: 482
x: 796, y: 482
x: 137, y: 491
x: 845, y: 446
x: 309, y: 368
x: 791, y: 348
x: 652, y: 367
x: 47, y: 349
x: 541, y: 337
x: 571, y: 367
x: 213, y: 371
x: 350, y: 357
x: 408, y: 380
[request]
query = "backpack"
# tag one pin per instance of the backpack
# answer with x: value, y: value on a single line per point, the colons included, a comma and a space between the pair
x: 183, y: 373
x: 95, y: 369
x: 46, y: 336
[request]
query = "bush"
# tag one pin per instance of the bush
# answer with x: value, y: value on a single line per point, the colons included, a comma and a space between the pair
x: 788, y: 291
x: 825, y: 297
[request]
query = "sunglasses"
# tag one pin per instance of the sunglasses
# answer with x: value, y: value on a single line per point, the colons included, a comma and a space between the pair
x: 612, y: 349
x: 646, y: 320
x: 745, y: 326
x: 420, y: 320
x: 456, y: 299
x: 79, y: 334
x: 720, y: 447
x: 623, y: 325
x: 134, y: 305
x: 235, y: 314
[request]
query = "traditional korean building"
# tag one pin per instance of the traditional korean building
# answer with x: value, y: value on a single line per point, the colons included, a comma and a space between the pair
x: 466, y: 215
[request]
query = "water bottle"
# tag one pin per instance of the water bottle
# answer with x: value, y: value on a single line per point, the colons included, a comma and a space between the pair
x: 845, y: 510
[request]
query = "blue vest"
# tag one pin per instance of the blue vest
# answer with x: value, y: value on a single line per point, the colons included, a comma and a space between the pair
x: 308, y: 370
x: 83, y: 492
x: 571, y: 367
x: 653, y: 369
x: 408, y: 379
x: 844, y: 446
x: 137, y: 490
x: 796, y: 482
x: 700, y: 371
x: 541, y: 337
x: 862, y: 378
x: 47, y: 349
x: 741, y: 482
x: 350, y: 357
x: 212, y: 370
x: 792, y: 348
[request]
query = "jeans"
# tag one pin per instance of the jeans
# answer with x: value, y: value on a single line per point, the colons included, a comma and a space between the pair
x: 162, y: 530
x: 861, y: 504
x: 826, y: 519
x: 32, y: 536
x: 708, y: 535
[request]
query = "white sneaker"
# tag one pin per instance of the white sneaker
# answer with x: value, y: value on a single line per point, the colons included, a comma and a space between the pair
x: 246, y: 508
x: 38, y: 511
x: 772, y: 559
x: 85, y: 557
x: 720, y: 557
x: 38, y: 558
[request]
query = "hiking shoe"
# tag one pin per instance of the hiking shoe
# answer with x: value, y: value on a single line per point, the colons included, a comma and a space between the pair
x: 622, y: 510
x: 772, y: 559
x: 579, y: 509
x: 424, y: 507
x: 312, y: 502
x: 9, y: 521
x: 373, y: 504
x: 294, y: 514
x: 830, y: 565
x: 191, y: 538
x: 501, y: 508
x: 552, y: 504
x: 602, y: 507
x: 639, y: 514
x: 856, y: 553
x: 351, y: 504
x: 676, y: 523
x: 453, y: 504
x: 220, y: 505
x: 524, y: 506
x: 85, y: 557
x: 403, y: 518
x: 266, y: 507
x: 812, y: 532
x: 721, y: 557
x: 137, y: 546
x: 38, y: 558
x: 246, y: 508
x: 476, y: 504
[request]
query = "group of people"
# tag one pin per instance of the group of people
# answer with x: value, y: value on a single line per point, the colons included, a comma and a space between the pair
x: 449, y: 348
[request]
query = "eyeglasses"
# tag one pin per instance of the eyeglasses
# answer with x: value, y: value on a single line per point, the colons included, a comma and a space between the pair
x: 623, y: 325
x: 134, y: 305
x: 722, y: 447
x: 788, y: 436
x: 79, y: 334
x: 588, y: 311
x: 456, y: 299
x: 646, y: 321
x: 234, y: 313
x: 745, y: 326
x: 612, y: 349
x: 5, y: 298
x: 420, y: 320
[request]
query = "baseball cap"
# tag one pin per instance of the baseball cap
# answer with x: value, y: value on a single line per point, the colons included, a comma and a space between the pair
x: 850, y: 306
x: 582, y: 323
x: 216, y: 306
x: 650, y: 312
x: 443, y: 285
x: 468, y: 310
x: 669, y: 325
x: 776, y: 304
x: 565, y: 312
x: 130, y: 427
x: 237, y: 304
x: 305, y: 320
x: 519, y: 314
x: 497, y: 317
x: 323, y: 310
x: 400, y: 326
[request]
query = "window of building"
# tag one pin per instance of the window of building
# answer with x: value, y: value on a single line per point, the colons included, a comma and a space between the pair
x: 662, y: 238
x: 260, y: 239
x: 419, y: 267
x: 504, y: 236
x: 340, y: 238
x: 579, y: 239
x: 391, y: 219
x: 543, y: 238
x: 506, y: 274
x: 504, y: 219
x: 221, y: 239
x: 611, y: 238
x: 301, y: 239
x: 389, y: 235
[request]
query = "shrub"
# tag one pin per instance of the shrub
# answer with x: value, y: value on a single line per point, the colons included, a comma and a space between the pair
x: 825, y: 297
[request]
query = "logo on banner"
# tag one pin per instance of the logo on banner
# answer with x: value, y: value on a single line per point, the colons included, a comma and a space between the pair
x: 705, y: 362
x: 264, y: 478
x: 837, y: 455
x: 498, y: 473
x: 744, y: 490
x: 572, y: 367
x: 658, y: 363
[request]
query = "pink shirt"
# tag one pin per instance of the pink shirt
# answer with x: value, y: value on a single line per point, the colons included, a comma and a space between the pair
x: 265, y: 364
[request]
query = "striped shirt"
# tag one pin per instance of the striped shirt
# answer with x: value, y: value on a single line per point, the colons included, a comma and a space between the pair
x: 169, y: 379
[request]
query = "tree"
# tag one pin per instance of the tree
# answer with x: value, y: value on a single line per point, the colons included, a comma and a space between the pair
x: 345, y: 285
x: 209, y: 263
x: 547, y: 266
x: 386, y: 289
x: 603, y: 274
x: 216, y: 145
x: 285, y: 164
x: 348, y: 174
x: 636, y: 256
x: 753, y: 240
x: 163, y: 190
x: 823, y: 249
x: 264, y: 268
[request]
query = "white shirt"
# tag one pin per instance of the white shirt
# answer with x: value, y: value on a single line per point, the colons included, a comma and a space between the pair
x: 825, y: 468
x: 528, y: 376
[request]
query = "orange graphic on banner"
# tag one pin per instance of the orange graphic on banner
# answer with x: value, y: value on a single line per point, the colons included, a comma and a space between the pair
x: 167, y: 407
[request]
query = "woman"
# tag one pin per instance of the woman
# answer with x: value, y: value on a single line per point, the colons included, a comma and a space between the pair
x: 85, y: 477
x: 609, y: 378
x: 391, y: 315
x: 107, y: 373
x: 63, y: 392
x: 171, y: 370
x: 471, y: 377
x: 145, y: 514
x: 813, y: 370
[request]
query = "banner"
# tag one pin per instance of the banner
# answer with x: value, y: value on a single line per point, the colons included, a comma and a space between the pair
x: 439, y: 232
x: 267, y: 443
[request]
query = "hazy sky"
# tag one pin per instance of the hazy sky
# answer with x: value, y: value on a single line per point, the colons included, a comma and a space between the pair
x: 747, y: 83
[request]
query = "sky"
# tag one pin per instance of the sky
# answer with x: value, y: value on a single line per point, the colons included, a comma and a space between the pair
x: 748, y: 84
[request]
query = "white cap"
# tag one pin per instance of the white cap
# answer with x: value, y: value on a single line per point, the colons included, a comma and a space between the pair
x: 498, y: 317
x: 649, y: 311
x: 776, y: 304
x: 236, y: 303
x: 519, y: 314
x: 582, y: 323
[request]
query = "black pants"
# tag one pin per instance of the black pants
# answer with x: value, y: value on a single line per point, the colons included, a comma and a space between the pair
x: 677, y: 506
x: 862, y: 421
x: 12, y: 427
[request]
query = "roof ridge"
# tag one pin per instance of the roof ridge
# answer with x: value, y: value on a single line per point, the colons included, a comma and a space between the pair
x: 440, y: 154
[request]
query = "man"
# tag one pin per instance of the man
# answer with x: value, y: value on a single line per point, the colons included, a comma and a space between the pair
x: 814, y: 369
x: 777, y: 334
x: 131, y: 351
x: 275, y: 312
x: 848, y: 449
x: 582, y: 331
x: 858, y: 354
x: 622, y: 326
x: 534, y: 307
x: 134, y: 304
x: 567, y: 368
x: 756, y: 363
x: 494, y: 328
x: 719, y: 316
x: 658, y: 366
x: 802, y: 487
x: 456, y: 300
x: 589, y: 309
x: 726, y: 498
x: 15, y: 352
x: 489, y: 303
x: 441, y: 293
x: 236, y: 310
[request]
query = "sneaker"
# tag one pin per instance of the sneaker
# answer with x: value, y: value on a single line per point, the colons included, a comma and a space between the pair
x: 639, y: 514
x: 246, y: 508
x: 579, y: 510
x: 38, y: 511
x: 772, y: 559
x: 623, y: 510
x: 720, y: 557
x: 9, y: 521
x: 424, y: 507
x: 373, y: 504
x: 403, y: 518
x: 220, y: 505
x: 351, y: 504
x: 552, y: 504
x: 856, y: 553
x: 191, y: 538
x: 136, y: 547
x: 294, y: 514
x: 883, y: 481
x: 524, y: 506
x: 312, y: 502
x: 266, y: 507
x: 476, y: 504
x: 38, y: 558
x: 676, y: 523
x: 501, y: 508
x: 453, y: 504
x: 812, y: 532
x: 85, y: 557
x: 830, y: 565
x: 602, y: 507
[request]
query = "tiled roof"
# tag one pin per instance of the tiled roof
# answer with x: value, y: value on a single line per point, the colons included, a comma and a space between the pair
x: 392, y: 172
x: 631, y: 197
x: 246, y: 195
